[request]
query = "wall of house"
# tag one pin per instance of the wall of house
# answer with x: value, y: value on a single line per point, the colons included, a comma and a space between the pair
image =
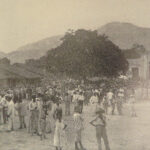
x: 11, y: 83
x: 143, y: 92
x: 142, y: 64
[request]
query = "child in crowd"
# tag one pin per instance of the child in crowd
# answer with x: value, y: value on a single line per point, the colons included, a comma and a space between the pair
x: 100, y: 125
x: 59, y: 128
x: 78, y: 125
x: 132, y: 105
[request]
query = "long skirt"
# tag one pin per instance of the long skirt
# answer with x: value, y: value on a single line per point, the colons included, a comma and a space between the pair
x: 58, y: 137
x: 34, y: 121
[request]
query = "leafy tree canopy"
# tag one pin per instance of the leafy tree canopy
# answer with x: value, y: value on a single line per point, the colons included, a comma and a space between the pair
x: 5, y: 61
x: 135, y: 52
x: 84, y: 53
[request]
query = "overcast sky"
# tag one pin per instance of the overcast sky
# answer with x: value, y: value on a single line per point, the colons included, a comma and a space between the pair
x: 27, y: 21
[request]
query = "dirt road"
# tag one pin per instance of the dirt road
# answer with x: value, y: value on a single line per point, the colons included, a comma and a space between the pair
x: 124, y: 132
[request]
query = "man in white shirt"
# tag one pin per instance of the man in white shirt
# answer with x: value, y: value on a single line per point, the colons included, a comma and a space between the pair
x: 93, y: 101
x: 4, y: 105
x: 110, y: 95
x: 11, y: 114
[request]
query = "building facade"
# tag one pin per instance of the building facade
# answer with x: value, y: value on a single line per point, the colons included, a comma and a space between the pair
x: 12, y: 76
x: 139, y: 67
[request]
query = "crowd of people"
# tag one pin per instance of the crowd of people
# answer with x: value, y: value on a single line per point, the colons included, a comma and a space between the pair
x: 41, y: 110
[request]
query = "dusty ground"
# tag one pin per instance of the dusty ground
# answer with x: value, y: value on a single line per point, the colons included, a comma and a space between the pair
x: 124, y: 132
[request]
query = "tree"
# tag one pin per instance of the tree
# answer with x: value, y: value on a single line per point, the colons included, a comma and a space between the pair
x: 5, y: 61
x: 84, y: 53
x: 30, y: 61
x: 136, y: 51
x: 40, y: 63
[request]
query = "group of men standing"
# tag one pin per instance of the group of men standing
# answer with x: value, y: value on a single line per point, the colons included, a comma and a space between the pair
x: 111, y: 98
x: 41, y: 109
x: 115, y: 100
x: 9, y: 109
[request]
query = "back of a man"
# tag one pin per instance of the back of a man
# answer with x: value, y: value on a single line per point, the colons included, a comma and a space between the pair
x: 81, y: 99
x: 67, y: 103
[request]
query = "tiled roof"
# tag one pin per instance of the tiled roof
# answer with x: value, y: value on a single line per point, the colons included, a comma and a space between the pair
x: 9, y: 71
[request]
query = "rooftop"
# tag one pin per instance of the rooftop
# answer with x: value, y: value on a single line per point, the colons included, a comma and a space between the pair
x: 9, y: 72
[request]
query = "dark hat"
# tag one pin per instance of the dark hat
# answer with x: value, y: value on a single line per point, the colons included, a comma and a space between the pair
x: 33, y: 96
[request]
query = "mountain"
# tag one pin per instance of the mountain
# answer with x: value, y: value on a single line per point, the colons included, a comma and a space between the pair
x: 34, y: 50
x: 126, y: 34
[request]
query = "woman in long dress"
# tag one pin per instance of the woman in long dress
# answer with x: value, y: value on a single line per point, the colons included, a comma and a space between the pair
x: 33, y: 107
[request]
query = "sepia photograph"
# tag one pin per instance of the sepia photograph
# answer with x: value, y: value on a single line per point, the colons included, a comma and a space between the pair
x: 74, y: 74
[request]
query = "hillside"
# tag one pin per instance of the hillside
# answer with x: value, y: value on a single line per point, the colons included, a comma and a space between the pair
x: 125, y: 34
x: 122, y: 34
x: 34, y: 50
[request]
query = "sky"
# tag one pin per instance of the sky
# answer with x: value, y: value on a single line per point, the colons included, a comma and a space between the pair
x: 27, y: 21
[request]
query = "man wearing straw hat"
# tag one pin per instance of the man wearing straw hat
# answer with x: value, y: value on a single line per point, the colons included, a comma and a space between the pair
x: 99, y: 123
